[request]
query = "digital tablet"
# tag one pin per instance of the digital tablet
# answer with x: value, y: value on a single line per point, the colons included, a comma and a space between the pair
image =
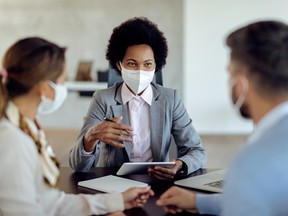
x: 130, y: 168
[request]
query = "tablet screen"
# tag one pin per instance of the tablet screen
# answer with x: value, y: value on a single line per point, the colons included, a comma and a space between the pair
x: 130, y: 168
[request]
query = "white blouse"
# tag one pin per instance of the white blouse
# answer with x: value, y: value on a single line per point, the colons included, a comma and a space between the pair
x: 23, y: 190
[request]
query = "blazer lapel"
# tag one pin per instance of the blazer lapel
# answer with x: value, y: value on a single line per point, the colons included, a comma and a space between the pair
x: 122, y: 110
x: 157, y: 115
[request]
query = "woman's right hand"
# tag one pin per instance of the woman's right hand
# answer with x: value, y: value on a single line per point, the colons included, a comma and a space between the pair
x: 136, y: 196
x: 109, y: 132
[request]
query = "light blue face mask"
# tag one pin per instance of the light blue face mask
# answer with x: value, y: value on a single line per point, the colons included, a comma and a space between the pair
x: 240, y: 100
x: 47, y: 105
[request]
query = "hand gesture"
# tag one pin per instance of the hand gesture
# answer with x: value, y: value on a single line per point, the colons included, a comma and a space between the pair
x: 108, y: 131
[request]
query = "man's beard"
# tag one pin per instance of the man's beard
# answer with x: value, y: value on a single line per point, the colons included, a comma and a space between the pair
x: 244, y: 110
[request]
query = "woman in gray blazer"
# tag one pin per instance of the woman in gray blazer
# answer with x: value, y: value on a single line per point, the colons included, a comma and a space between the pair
x: 136, y: 119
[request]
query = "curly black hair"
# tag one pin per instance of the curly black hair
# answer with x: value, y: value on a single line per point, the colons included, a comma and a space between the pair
x: 135, y: 31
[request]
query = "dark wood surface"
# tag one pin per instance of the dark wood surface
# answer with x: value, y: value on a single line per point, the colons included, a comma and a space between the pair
x: 69, y: 180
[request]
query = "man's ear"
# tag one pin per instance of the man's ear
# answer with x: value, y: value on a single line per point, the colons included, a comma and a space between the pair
x: 244, y: 83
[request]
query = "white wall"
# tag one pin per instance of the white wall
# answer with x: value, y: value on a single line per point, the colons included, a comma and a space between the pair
x: 206, y: 24
x: 84, y: 26
x: 199, y: 72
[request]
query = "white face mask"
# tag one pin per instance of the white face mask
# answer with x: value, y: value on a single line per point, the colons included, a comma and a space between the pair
x: 137, y: 80
x: 240, y: 100
x: 47, y: 105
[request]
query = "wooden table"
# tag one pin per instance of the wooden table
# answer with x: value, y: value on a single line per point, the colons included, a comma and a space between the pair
x: 69, y: 180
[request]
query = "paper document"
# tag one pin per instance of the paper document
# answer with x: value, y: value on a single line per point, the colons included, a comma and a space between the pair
x: 111, y: 183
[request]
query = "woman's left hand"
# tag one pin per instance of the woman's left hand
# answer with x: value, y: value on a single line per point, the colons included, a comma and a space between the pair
x: 166, y: 173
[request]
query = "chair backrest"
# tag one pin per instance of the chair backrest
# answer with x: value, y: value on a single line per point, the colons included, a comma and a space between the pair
x: 114, y: 77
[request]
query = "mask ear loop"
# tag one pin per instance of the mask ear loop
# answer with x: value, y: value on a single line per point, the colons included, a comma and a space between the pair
x: 120, y: 65
x: 242, y: 97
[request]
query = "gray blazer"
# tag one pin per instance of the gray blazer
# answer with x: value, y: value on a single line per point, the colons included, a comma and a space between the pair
x: 168, y: 118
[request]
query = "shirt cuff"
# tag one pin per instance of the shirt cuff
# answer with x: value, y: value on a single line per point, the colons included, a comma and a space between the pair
x: 113, y: 201
x: 100, y: 204
x: 184, y: 169
x: 209, y: 203
x: 83, y: 152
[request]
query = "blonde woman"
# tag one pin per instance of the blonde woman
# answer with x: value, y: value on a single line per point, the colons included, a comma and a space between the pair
x: 31, y: 83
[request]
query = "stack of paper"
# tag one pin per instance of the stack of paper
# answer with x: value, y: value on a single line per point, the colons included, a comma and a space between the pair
x: 111, y: 184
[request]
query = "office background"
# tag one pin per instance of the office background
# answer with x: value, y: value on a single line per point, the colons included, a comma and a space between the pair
x: 84, y: 26
x: 196, y: 64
